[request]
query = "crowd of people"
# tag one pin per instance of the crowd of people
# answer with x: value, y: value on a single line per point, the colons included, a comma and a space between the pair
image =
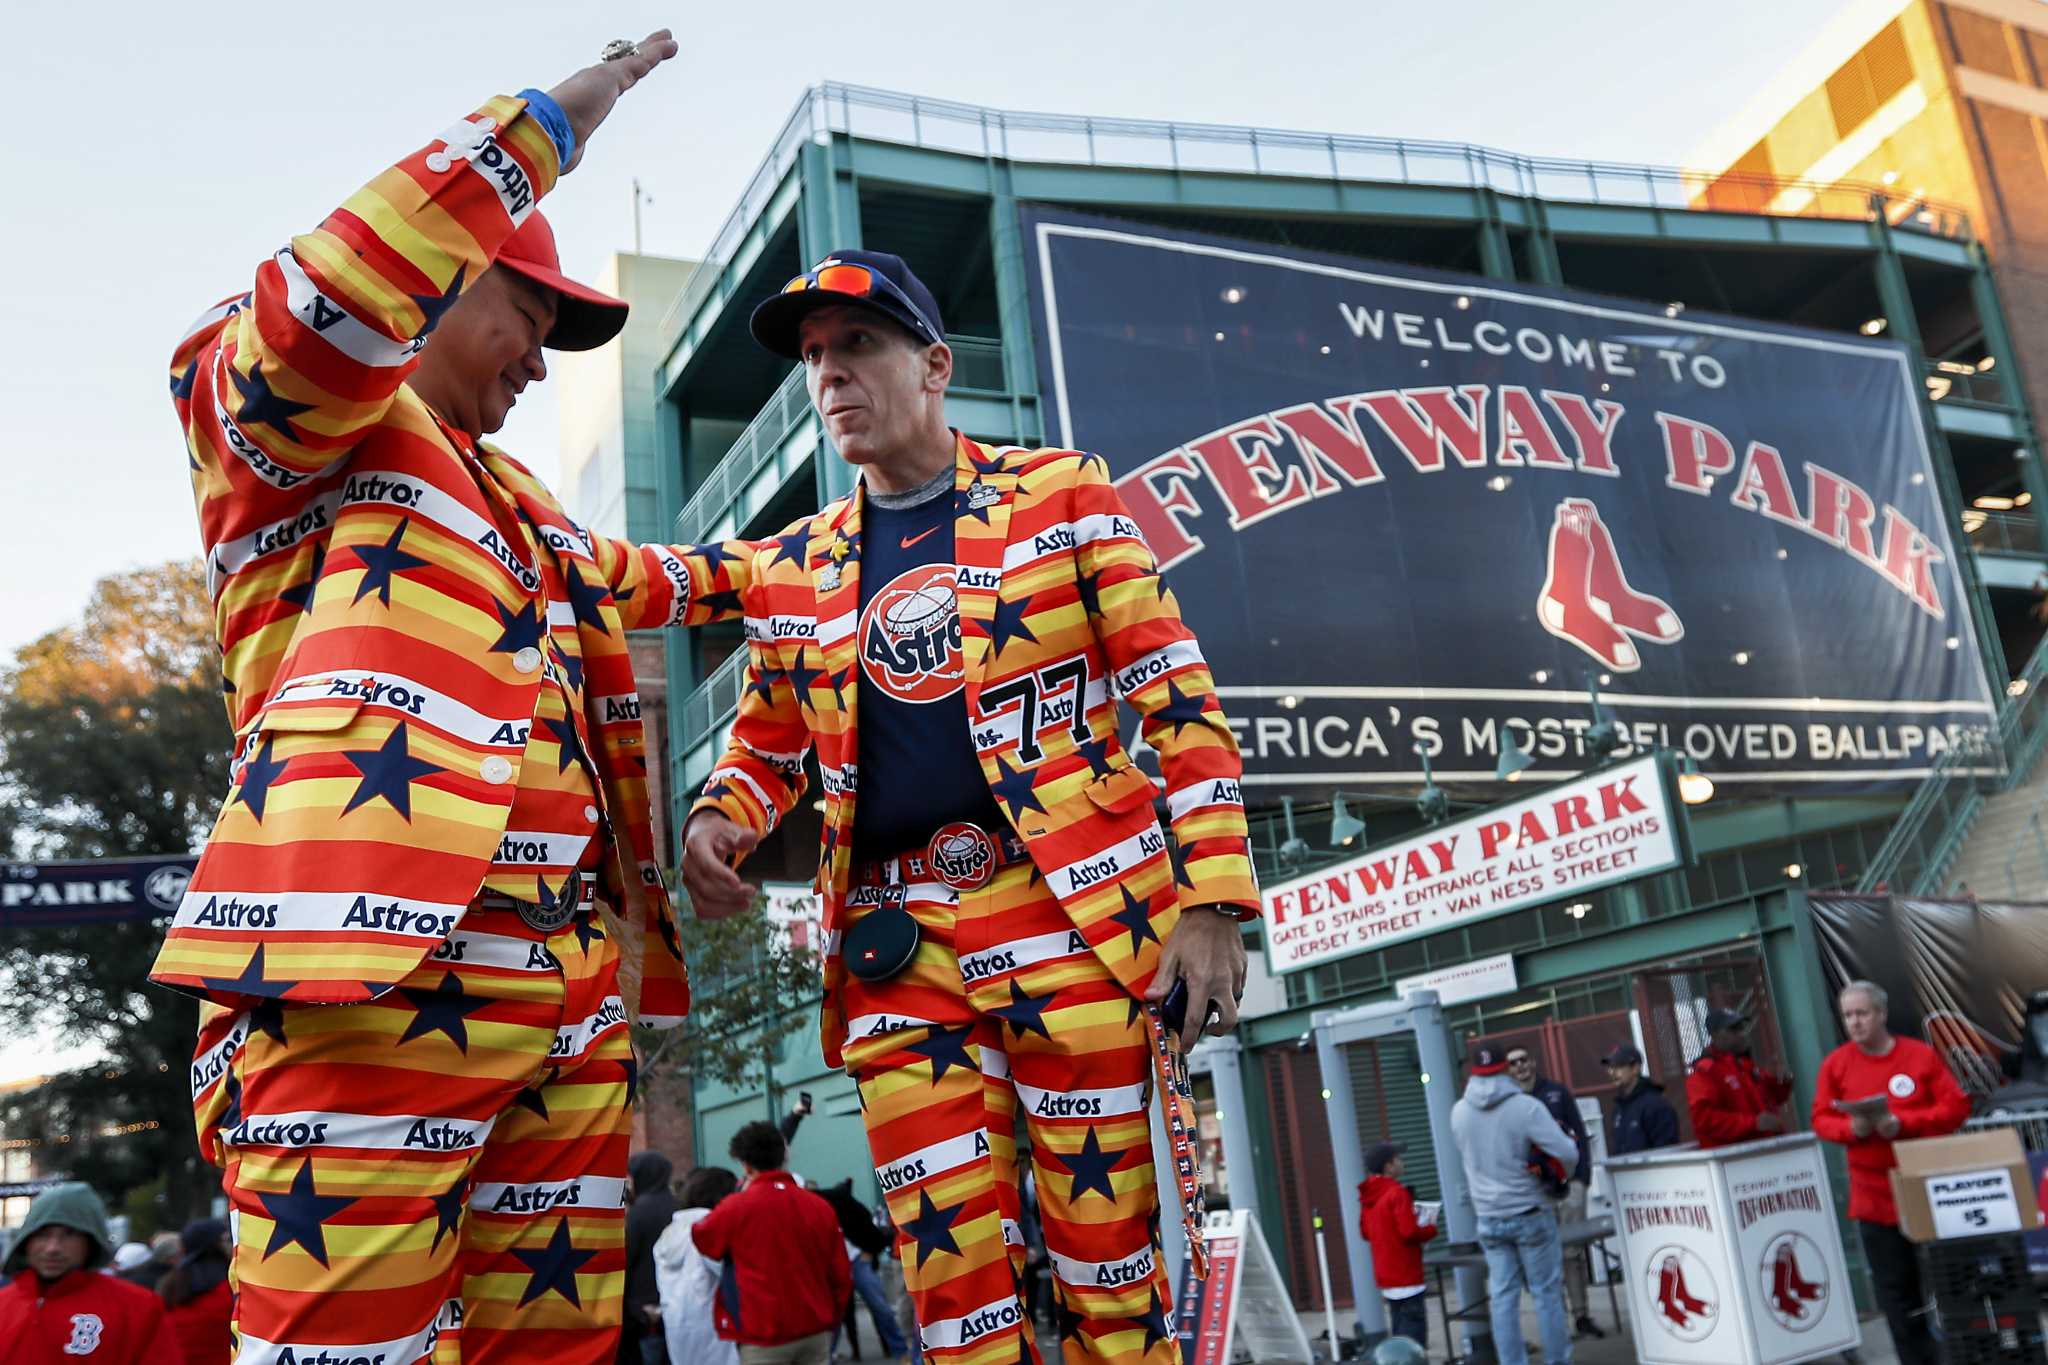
x: 72, y: 1294
x: 1527, y: 1158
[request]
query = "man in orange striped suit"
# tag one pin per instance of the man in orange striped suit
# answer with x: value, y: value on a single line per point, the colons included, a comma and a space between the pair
x: 1000, y: 901
x: 414, y: 1063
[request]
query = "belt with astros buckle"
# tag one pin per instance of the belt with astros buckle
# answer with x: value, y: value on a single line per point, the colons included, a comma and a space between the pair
x: 961, y: 855
x: 578, y: 893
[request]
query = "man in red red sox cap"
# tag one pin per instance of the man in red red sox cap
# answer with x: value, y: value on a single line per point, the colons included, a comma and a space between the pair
x: 414, y: 1062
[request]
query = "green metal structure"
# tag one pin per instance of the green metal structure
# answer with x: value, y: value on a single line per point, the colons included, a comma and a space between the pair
x: 940, y: 183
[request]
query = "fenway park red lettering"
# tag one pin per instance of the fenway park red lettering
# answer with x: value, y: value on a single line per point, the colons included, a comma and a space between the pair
x: 1266, y: 464
x: 1586, y: 833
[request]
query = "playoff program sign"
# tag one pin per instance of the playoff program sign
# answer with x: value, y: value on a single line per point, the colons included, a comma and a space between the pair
x: 1403, y: 508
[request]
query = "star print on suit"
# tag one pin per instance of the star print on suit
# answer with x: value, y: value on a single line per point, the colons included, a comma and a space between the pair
x: 419, y: 1103
x: 1024, y: 995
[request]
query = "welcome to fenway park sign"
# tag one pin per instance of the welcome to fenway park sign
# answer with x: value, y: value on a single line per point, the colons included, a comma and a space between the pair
x: 1407, y: 508
x: 1609, y: 826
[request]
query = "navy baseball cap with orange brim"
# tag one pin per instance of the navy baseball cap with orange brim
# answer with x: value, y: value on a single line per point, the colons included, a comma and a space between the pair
x: 874, y: 280
x: 585, y: 318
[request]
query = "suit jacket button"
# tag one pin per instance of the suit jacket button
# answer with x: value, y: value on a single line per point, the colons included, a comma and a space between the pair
x: 495, y: 769
x: 526, y: 660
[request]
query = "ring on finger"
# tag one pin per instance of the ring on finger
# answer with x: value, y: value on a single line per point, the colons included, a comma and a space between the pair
x: 618, y: 49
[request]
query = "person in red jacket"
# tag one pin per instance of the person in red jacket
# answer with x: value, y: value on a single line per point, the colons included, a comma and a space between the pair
x: 58, y: 1309
x: 1921, y: 1100
x: 786, y: 1281
x: 1386, y: 1219
x: 1732, y: 1098
x: 196, y: 1296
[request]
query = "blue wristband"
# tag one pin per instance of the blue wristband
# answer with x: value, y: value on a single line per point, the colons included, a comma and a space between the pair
x: 542, y: 106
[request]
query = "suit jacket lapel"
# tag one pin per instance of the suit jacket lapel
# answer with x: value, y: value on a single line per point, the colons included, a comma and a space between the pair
x: 981, y: 533
x: 835, y: 588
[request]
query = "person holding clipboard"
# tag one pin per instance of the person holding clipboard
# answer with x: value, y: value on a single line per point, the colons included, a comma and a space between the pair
x: 1874, y: 1090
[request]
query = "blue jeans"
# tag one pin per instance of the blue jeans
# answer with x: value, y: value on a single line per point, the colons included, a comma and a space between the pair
x: 1524, y: 1251
x: 868, y: 1285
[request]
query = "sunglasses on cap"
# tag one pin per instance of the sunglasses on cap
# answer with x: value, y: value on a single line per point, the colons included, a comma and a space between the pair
x: 860, y: 282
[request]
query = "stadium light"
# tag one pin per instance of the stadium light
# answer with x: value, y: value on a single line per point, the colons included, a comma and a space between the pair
x: 1345, y: 828
x: 1295, y: 849
x: 1433, y: 804
x: 1873, y: 327
x: 1514, y: 760
x: 1695, y: 788
x: 1605, y: 738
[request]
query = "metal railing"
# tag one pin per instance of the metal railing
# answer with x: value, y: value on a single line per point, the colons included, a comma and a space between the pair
x: 1916, y: 855
x: 2003, y: 532
x: 947, y: 125
x: 1957, y: 381
x: 2029, y: 1120
x: 785, y: 410
x: 713, y: 702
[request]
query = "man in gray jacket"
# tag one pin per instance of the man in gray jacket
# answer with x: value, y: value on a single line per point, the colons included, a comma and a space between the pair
x: 1500, y: 1131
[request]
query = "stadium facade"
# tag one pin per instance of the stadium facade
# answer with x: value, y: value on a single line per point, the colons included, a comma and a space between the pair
x: 952, y: 188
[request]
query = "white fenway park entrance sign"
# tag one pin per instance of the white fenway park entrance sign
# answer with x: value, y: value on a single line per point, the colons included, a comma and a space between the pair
x: 1609, y: 826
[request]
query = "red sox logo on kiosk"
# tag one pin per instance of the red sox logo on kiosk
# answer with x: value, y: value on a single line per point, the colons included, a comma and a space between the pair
x: 910, y: 636
x: 1796, y: 1302
x: 1684, y: 1299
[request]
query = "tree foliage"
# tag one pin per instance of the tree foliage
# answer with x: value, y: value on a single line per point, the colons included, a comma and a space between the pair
x: 113, y: 743
x: 746, y: 979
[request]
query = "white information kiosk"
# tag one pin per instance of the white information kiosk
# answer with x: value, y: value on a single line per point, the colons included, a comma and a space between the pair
x: 1732, y: 1256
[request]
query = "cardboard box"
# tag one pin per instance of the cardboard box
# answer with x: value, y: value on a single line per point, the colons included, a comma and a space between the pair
x: 1964, y: 1185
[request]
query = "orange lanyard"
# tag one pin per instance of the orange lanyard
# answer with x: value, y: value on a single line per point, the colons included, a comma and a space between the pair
x: 1177, y: 1096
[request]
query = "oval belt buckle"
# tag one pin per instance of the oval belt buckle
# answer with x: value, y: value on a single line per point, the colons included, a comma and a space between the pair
x: 548, y: 916
x: 963, y: 856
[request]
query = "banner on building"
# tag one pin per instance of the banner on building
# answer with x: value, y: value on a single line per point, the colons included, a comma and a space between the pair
x: 1612, y: 825
x: 1958, y: 974
x: 1407, y: 508
x: 88, y: 891
x: 1474, y: 980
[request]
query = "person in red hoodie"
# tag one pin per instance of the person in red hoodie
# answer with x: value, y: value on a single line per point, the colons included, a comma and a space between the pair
x: 1921, y: 1100
x: 58, y: 1309
x: 1732, y: 1099
x: 787, y: 1280
x: 1386, y: 1219
x: 196, y: 1296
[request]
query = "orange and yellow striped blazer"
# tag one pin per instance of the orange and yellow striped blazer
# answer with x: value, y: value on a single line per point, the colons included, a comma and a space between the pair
x: 381, y: 618
x: 1062, y: 613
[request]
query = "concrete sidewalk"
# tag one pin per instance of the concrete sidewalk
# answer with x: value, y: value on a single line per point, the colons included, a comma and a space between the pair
x: 1616, y: 1348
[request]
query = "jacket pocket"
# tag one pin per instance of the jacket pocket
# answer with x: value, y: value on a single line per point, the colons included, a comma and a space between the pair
x: 309, y: 714
x: 1121, y: 790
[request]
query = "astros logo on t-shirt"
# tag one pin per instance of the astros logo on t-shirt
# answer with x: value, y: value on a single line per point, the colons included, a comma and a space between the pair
x: 910, y: 636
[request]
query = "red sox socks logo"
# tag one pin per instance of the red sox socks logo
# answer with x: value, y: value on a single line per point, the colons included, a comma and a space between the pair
x: 1586, y: 598
x: 1796, y: 1302
x: 1683, y: 1294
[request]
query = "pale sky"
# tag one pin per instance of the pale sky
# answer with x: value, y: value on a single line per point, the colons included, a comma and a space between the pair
x: 160, y: 151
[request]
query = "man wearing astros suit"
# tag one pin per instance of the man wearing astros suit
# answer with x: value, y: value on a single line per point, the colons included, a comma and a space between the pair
x: 1000, y: 901
x: 414, y: 1065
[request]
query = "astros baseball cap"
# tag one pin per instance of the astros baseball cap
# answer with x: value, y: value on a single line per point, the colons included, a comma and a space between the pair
x: 1623, y: 1054
x: 1488, y: 1061
x: 874, y: 280
x: 584, y: 318
x: 1720, y: 1019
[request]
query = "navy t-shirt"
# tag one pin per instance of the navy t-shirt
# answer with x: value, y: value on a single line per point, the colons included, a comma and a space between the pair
x: 918, y: 768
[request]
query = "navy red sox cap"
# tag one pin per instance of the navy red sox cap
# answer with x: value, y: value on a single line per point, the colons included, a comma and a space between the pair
x: 1488, y: 1061
x: 1722, y: 1019
x: 873, y: 280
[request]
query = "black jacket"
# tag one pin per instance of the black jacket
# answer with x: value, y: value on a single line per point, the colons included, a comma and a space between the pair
x: 1565, y: 1110
x: 858, y: 1225
x: 1643, y: 1119
x: 646, y: 1219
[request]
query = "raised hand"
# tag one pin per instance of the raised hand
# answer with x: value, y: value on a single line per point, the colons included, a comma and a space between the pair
x: 588, y: 96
